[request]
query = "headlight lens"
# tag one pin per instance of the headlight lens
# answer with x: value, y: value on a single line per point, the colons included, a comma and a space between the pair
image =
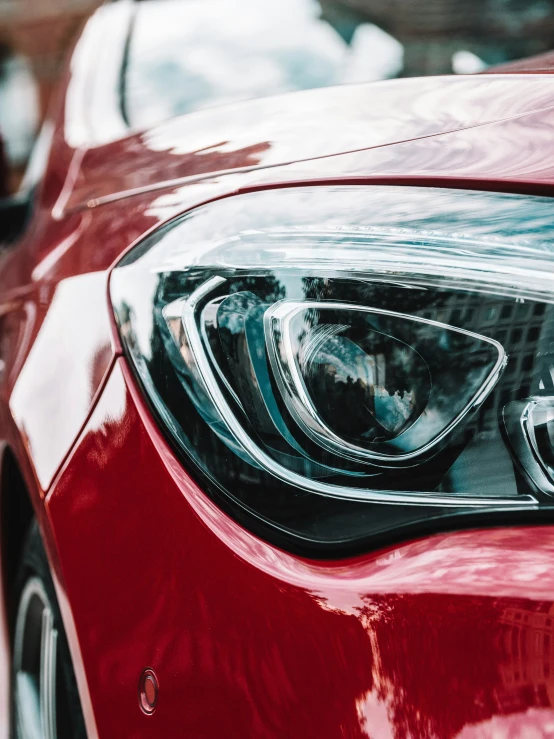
x: 339, y: 362
x: 374, y: 384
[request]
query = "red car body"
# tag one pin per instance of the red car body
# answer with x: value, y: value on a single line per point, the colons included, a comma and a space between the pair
x: 451, y: 635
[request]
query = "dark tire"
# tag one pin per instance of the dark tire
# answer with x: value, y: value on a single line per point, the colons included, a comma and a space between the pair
x: 45, y: 699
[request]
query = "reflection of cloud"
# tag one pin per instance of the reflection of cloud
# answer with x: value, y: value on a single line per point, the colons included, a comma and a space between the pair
x: 373, y: 716
x: 465, y: 62
x: 18, y: 109
x: 188, y: 56
x: 374, y: 55
x: 535, y: 723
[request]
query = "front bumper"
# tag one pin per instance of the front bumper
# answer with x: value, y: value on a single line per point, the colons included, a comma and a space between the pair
x: 450, y: 635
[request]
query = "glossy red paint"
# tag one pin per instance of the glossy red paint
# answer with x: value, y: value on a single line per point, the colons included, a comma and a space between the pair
x: 449, y: 636
x: 539, y: 64
x: 300, y: 127
x: 149, y: 571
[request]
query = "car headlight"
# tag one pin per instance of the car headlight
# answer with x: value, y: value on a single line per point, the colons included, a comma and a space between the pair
x: 338, y: 362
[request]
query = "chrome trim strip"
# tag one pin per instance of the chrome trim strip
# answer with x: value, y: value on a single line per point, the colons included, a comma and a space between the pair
x: 187, y: 308
x: 518, y: 423
x: 297, y: 398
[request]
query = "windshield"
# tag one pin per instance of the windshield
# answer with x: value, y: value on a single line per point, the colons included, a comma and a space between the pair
x: 185, y: 55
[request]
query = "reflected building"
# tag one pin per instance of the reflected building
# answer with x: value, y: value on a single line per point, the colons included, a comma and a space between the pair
x: 525, y: 329
x: 526, y: 638
x: 434, y: 31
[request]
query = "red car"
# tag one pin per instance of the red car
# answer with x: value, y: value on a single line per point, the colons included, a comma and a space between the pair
x: 277, y: 391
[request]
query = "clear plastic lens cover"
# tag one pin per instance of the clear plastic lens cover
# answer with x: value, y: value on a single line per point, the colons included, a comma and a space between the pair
x: 374, y: 384
x: 334, y: 363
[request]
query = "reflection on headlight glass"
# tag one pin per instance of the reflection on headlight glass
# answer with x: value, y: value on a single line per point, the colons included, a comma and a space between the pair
x: 406, y: 379
x: 335, y: 363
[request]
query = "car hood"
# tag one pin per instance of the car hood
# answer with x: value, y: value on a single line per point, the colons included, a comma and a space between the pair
x: 301, y: 127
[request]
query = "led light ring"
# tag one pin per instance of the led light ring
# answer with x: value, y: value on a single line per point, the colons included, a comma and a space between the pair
x: 518, y: 424
x: 298, y: 401
x: 186, y: 309
x: 210, y: 353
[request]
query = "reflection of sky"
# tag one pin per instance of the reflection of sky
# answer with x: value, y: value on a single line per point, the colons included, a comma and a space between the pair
x: 187, y: 56
x: 534, y: 723
x: 18, y: 109
x: 503, y: 239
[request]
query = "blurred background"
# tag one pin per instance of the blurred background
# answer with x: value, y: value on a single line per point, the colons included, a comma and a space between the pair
x: 34, y: 38
x: 386, y: 38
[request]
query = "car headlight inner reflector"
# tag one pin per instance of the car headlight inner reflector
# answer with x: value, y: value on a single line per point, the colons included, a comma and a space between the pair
x: 336, y: 363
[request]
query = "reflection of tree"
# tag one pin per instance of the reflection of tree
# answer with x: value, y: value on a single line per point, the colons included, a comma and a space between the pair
x: 376, y: 294
x: 417, y: 365
x: 441, y: 662
x: 370, y: 388
x: 134, y: 156
x: 277, y: 660
x: 268, y: 288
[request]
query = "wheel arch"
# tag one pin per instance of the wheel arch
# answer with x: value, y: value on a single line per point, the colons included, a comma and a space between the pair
x: 16, y: 514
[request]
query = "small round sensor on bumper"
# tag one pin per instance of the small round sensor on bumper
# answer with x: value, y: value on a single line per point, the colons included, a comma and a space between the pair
x: 148, y: 691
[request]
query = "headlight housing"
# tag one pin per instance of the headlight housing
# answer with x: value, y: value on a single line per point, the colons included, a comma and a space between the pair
x: 335, y: 363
